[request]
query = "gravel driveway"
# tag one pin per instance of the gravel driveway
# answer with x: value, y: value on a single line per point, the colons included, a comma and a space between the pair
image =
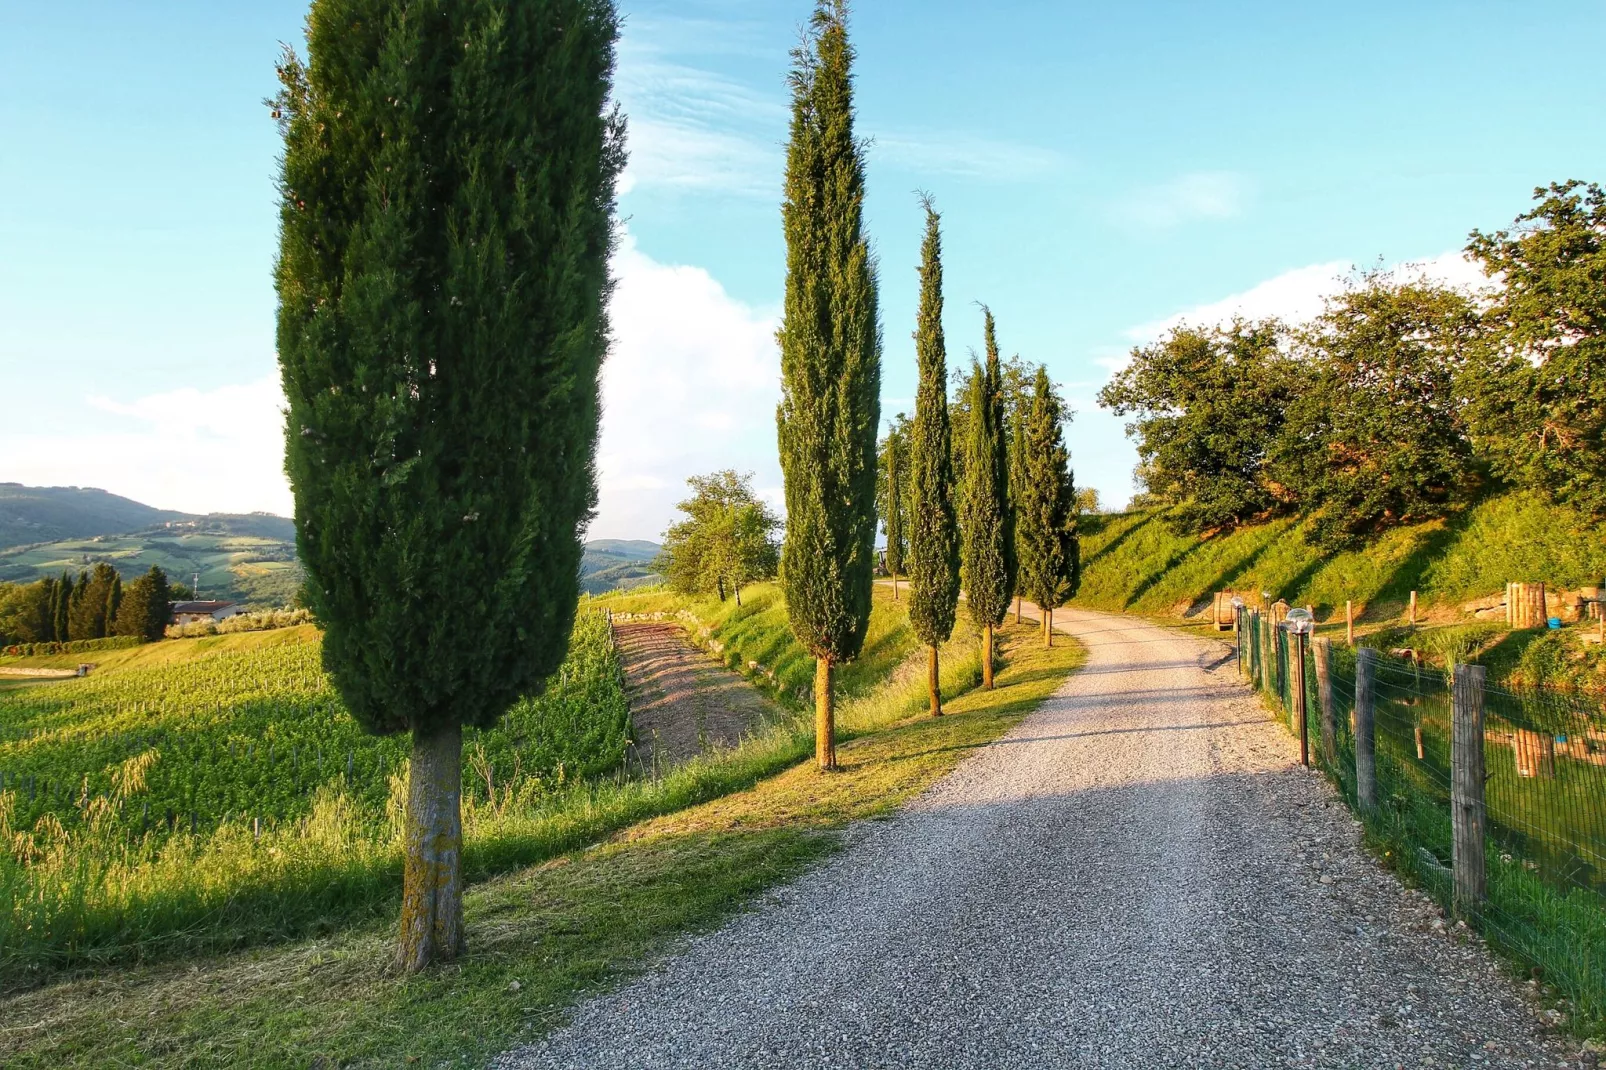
x: 1140, y: 875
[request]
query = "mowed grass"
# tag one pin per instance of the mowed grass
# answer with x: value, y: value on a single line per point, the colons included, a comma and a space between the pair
x: 539, y: 938
x: 1135, y: 562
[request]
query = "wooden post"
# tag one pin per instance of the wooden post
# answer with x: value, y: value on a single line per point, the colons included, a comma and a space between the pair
x: 1413, y: 607
x: 1296, y: 693
x: 1466, y: 789
x: 1323, y: 650
x: 1365, y: 744
x: 1349, y: 622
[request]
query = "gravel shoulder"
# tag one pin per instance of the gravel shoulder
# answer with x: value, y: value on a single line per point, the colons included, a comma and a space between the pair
x: 1140, y: 874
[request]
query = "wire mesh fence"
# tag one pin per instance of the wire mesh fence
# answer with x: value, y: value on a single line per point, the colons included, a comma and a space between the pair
x: 1528, y: 783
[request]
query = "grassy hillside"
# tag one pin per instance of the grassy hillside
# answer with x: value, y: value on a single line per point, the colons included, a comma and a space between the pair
x: 1134, y: 562
x: 45, y: 514
x: 617, y: 564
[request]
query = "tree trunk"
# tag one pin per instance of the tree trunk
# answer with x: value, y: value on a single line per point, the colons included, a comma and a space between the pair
x: 1048, y: 626
x: 1017, y: 609
x: 432, y: 880
x: 987, y: 657
x: 720, y: 585
x: 824, y: 716
x: 738, y: 595
x: 894, y: 586
x: 934, y: 682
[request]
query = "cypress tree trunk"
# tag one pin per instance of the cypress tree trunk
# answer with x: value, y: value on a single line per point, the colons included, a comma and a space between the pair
x: 934, y: 681
x: 1048, y: 627
x: 1017, y: 608
x: 824, y: 716
x: 432, y: 884
x: 987, y: 657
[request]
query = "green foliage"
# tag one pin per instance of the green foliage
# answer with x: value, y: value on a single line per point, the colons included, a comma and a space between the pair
x: 830, y: 341
x: 76, y: 646
x: 61, y: 610
x: 233, y: 744
x: 1209, y: 406
x: 1050, y: 561
x: 27, y: 612
x: 146, y: 607
x: 892, y: 493
x: 1539, y: 390
x: 446, y: 217
x: 726, y: 540
x: 933, y: 534
x: 1374, y: 436
x: 988, y: 516
x: 86, y: 616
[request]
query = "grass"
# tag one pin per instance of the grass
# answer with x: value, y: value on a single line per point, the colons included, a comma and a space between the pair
x: 539, y: 938
x: 170, y: 651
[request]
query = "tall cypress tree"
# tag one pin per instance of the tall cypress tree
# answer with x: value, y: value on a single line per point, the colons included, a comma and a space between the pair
x: 830, y: 340
x: 933, y: 534
x: 61, y: 611
x: 893, y: 475
x: 114, y: 601
x: 1051, y: 563
x: 988, y: 516
x: 446, y: 218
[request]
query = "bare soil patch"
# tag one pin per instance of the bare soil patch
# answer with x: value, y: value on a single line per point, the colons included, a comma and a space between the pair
x: 682, y: 701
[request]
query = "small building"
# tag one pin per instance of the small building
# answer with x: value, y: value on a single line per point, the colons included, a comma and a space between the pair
x: 190, y: 612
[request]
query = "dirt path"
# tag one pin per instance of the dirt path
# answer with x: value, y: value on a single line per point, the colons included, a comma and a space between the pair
x: 1140, y: 875
x: 682, y: 701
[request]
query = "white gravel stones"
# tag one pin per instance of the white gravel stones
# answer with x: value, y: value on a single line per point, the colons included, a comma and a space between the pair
x: 1140, y: 875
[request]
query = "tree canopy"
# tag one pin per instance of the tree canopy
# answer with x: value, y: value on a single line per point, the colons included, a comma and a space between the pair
x: 726, y: 541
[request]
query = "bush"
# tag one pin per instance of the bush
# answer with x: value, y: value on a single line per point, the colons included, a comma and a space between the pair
x: 76, y: 646
x: 243, y: 622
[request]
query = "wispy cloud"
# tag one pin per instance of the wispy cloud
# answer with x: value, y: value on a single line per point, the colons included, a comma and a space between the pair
x: 968, y: 156
x: 1185, y: 199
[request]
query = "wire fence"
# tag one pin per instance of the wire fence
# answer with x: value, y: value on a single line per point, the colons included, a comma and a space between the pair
x: 1492, y: 800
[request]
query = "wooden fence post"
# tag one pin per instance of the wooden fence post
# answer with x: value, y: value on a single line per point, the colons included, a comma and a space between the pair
x: 1349, y: 622
x: 1466, y: 789
x: 1296, y: 693
x: 1413, y: 607
x: 1322, y: 648
x: 1365, y: 744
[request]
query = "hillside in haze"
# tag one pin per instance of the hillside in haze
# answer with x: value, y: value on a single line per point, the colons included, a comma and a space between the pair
x: 249, y: 558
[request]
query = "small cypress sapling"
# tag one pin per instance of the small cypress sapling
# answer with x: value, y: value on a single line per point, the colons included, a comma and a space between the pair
x: 933, y: 538
x: 830, y: 340
x: 989, y: 521
x: 446, y: 216
x: 1050, y: 565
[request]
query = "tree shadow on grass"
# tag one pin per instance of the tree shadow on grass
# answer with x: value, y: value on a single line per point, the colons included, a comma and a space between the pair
x: 1153, y: 579
x: 1115, y: 543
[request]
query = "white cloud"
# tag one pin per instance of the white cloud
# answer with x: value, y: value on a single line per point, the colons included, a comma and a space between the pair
x: 199, y: 451
x: 1189, y: 197
x: 1298, y: 296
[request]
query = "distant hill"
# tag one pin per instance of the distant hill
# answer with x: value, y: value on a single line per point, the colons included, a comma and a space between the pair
x: 46, y: 514
x: 615, y: 564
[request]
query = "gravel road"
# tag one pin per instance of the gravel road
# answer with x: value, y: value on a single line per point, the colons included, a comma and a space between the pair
x: 1140, y: 875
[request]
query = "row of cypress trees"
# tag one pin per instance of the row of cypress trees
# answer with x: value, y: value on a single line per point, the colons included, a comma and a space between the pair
x: 1008, y: 525
x: 94, y: 605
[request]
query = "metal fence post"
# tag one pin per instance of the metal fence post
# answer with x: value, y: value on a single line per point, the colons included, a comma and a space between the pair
x: 1296, y: 693
x: 1365, y: 743
x: 1467, y: 816
x: 1322, y: 648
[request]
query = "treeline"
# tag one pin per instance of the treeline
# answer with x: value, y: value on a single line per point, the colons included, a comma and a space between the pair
x: 95, y: 605
x: 1404, y: 400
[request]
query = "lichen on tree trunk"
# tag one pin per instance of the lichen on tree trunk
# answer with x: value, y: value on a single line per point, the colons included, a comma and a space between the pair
x: 432, y: 880
x: 824, y: 716
x: 934, y: 682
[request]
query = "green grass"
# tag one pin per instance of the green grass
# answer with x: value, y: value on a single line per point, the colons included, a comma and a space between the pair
x: 1134, y: 562
x: 541, y: 937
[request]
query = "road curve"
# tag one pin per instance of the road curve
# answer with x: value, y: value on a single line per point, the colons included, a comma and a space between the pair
x: 1139, y: 875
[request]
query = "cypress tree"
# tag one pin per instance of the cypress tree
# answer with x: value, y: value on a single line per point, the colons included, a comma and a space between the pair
x: 830, y: 341
x: 989, y: 520
x: 114, y: 600
x: 891, y: 496
x: 60, y: 614
x: 447, y: 205
x: 933, y: 534
x: 1050, y: 563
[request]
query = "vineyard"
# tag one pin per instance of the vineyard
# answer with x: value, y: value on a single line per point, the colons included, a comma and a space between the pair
x: 137, y: 802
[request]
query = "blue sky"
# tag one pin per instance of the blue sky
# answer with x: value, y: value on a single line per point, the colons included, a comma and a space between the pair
x: 1102, y: 169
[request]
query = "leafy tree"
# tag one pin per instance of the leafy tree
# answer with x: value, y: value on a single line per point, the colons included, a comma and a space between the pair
x: 61, y: 610
x: 27, y: 611
x: 933, y: 534
x: 892, y: 506
x: 1209, y: 404
x: 726, y: 540
x: 988, y: 514
x: 1374, y: 435
x: 1050, y: 564
x: 830, y: 340
x: 147, y: 605
x: 1087, y: 500
x: 445, y: 223
x: 1538, y: 392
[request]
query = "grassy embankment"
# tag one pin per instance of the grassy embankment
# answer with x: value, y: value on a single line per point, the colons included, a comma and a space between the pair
x: 623, y: 887
x: 1133, y: 562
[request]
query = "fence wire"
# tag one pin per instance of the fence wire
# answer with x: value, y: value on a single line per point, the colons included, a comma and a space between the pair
x: 1545, y: 793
